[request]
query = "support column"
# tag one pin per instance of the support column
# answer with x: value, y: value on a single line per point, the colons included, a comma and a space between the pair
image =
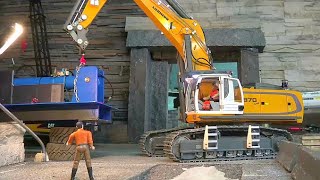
x: 249, y: 66
x: 158, y: 83
x: 148, y: 88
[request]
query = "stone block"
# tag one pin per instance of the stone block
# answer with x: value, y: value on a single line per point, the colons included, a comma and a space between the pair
x: 252, y: 37
x: 297, y: 22
x: 204, y: 1
x: 270, y: 63
x: 303, y: 84
x: 313, y: 7
x: 294, y: 30
x: 246, y: 19
x: 296, y: 9
x: 312, y: 30
x: 311, y: 140
x: 137, y: 107
x: 227, y: 11
x: 287, y: 155
x: 148, y: 85
x: 264, y: 3
x: 11, y: 133
x: 201, y: 16
x: 272, y: 12
x: 273, y: 28
x: 301, y: 75
x: 250, y: 11
x: 199, y: 8
x: 249, y: 66
x: 11, y: 153
x: 309, y: 63
x: 307, y: 165
x: 273, y: 74
x: 271, y: 81
x: 158, y: 76
x: 224, y: 3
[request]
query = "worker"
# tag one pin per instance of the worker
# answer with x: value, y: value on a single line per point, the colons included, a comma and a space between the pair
x: 84, y: 141
x: 214, y: 96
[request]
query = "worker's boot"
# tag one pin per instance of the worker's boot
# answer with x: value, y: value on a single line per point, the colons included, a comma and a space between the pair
x: 73, y: 173
x: 90, y: 173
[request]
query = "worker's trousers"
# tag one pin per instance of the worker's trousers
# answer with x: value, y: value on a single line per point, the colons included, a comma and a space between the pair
x: 82, y: 149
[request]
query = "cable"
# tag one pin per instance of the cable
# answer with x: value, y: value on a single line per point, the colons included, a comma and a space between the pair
x: 24, y: 66
x: 201, y: 63
x: 112, y: 93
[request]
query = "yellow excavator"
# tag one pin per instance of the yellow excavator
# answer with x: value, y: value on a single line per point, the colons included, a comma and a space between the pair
x: 227, y: 121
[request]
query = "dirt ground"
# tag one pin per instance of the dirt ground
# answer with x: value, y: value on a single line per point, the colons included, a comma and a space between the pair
x: 124, y: 161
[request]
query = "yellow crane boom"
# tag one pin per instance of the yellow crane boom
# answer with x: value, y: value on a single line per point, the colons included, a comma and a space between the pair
x: 173, y: 26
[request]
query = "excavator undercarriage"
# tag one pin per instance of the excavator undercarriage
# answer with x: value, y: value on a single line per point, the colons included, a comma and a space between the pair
x: 214, y: 143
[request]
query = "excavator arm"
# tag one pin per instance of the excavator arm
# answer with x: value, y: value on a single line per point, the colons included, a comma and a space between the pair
x: 80, y: 18
x: 185, y: 34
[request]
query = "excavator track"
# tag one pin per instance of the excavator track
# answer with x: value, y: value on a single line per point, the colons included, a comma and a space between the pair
x: 146, y: 141
x: 172, y: 140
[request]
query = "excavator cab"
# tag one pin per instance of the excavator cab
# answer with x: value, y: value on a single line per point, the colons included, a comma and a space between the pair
x: 212, y: 95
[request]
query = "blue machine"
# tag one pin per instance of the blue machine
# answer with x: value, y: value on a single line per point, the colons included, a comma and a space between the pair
x: 89, y: 106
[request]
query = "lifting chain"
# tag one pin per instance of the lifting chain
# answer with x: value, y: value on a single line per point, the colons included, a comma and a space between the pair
x: 75, y: 88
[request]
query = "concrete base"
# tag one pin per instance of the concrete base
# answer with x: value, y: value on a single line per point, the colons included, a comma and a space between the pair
x: 11, y: 144
x: 307, y: 167
x: 302, y: 162
x: 287, y: 155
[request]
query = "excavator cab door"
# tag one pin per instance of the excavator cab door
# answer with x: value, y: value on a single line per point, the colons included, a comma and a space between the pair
x: 231, y: 96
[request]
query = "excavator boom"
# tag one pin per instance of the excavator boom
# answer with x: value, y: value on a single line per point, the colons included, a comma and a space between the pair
x: 174, y: 27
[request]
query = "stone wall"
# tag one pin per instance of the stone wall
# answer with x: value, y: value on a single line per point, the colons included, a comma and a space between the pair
x: 11, y: 143
x: 291, y: 28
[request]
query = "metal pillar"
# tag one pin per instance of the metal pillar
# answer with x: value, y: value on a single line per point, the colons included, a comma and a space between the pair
x: 40, y: 39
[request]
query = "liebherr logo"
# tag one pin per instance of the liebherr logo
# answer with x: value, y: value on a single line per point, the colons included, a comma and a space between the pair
x: 158, y: 11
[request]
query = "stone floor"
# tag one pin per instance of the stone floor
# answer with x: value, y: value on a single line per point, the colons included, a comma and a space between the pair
x: 124, y: 161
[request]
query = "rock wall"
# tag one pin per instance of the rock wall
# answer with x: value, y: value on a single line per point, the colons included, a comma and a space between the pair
x: 11, y: 143
x: 291, y: 28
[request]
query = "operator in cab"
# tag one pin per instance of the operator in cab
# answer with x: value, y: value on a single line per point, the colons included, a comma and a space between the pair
x: 214, y: 96
x: 84, y: 142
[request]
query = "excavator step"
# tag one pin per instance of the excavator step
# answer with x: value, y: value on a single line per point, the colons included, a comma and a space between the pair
x: 210, y: 139
x: 253, y: 137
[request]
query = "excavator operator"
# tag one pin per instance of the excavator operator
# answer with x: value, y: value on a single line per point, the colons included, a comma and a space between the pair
x: 214, y: 96
x: 84, y: 141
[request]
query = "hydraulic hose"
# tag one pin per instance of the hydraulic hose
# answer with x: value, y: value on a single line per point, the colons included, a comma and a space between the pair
x: 178, y: 9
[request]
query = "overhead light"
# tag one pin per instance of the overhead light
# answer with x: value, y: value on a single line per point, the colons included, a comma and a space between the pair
x: 12, y: 38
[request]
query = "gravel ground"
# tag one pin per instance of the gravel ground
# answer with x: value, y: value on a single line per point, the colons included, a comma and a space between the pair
x: 244, y: 170
x: 120, y: 162
x: 112, y: 162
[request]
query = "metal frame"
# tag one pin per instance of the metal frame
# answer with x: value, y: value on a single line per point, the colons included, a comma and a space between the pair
x: 40, y: 39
